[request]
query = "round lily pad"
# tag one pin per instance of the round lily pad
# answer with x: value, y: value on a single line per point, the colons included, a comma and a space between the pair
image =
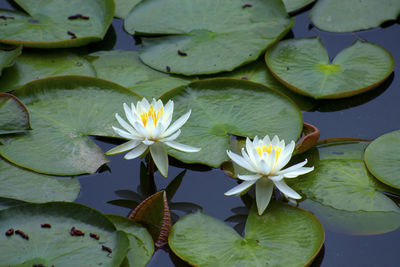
x: 294, y: 5
x: 51, y: 240
x: 283, y: 236
x: 223, y: 107
x: 197, y: 41
x: 353, y: 15
x: 64, y: 111
x: 382, y: 158
x: 303, y: 65
x: 14, y: 117
x: 35, y: 65
x: 340, y: 179
x: 7, y: 57
x: 55, y: 24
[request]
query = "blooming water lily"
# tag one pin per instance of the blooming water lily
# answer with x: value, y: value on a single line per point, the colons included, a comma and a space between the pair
x: 266, y: 158
x: 150, y: 126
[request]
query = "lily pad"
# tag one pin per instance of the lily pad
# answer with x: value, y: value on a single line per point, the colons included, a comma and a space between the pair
x: 382, y: 158
x: 5, y: 203
x: 304, y: 66
x: 294, y: 5
x: 58, y: 23
x: 197, y: 41
x: 14, y: 117
x: 340, y: 179
x: 223, y: 107
x: 35, y: 65
x: 123, y: 7
x: 64, y: 111
x: 19, y: 184
x: 141, y: 245
x: 125, y: 68
x: 202, y: 240
x: 353, y: 15
x: 7, y: 57
x: 55, y: 245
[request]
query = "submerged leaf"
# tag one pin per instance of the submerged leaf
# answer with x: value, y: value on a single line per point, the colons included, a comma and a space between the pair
x: 7, y: 57
x: 14, y: 117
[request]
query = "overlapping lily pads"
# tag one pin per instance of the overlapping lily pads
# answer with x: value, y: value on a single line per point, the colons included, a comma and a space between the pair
x: 14, y: 117
x: 382, y: 158
x: 304, y: 66
x: 7, y: 57
x: 54, y: 244
x: 353, y: 15
x: 294, y: 5
x: 202, y: 240
x: 64, y: 111
x: 223, y: 107
x: 123, y: 7
x: 58, y: 23
x: 198, y: 41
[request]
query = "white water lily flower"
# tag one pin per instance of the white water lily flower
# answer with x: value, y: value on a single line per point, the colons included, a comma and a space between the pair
x: 266, y: 158
x: 150, y: 126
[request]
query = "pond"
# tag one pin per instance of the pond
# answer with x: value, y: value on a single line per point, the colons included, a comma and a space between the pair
x: 365, y: 116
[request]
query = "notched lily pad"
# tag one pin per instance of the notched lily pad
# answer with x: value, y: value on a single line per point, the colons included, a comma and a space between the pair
x: 7, y: 57
x: 223, y: 107
x: 64, y: 111
x: 59, y: 234
x: 304, y: 66
x: 382, y: 158
x: 202, y: 240
x: 194, y: 39
x: 55, y: 24
x: 14, y: 117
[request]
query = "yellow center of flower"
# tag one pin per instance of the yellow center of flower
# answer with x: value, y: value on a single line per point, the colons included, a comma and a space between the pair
x: 269, y: 149
x: 155, y: 115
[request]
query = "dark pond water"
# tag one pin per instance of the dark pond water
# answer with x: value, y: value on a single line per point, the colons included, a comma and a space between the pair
x: 366, y: 116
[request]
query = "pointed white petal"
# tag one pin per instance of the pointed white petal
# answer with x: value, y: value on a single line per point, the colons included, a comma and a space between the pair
x: 264, y: 168
x: 247, y: 158
x: 147, y: 142
x: 293, y: 168
x: 256, y: 141
x: 285, y: 189
x: 168, y: 112
x: 125, y: 125
x: 240, y: 188
x: 145, y: 104
x: 275, y: 141
x: 240, y: 161
x: 136, y: 152
x: 271, y: 159
x: 171, y: 137
x: 160, y: 157
x: 123, y: 147
x: 150, y: 126
x: 157, y: 104
x: 140, y: 129
x: 177, y: 124
x: 264, y: 189
x: 266, y: 141
x: 122, y: 133
x: 129, y: 113
x: 285, y: 156
x: 182, y: 147
x: 275, y: 178
x: 252, y: 152
x: 249, y: 177
x: 158, y: 130
x: 300, y: 171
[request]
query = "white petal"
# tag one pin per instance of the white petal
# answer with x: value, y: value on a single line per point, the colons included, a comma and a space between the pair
x: 240, y: 188
x: 300, y: 171
x: 125, y: 125
x: 177, y: 124
x: 285, y: 156
x: 144, y: 104
x: 158, y: 130
x: 247, y: 158
x: 275, y: 178
x: 240, y: 161
x: 157, y: 105
x: 275, y: 141
x: 123, y: 147
x: 249, y: 177
x: 147, y: 142
x: 150, y: 126
x: 285, y: 189
x: 182, y: 147
x: 271, y: 159
x: 171, y: 137
x: 264, y: 189
x: 264, y: 167
x: 252, y: 152
x: 160, y: 157
x: 168, y: 112
x: 122, y: 133
x: 140, y: 129
x: 293, y: 168
x: 129, y: 113
x: 136, y: 152
x: 266, y: 141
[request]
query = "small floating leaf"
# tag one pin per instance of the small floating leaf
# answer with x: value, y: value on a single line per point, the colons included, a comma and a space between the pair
x: 14, y: 117
x: 7, y: 57
x: 303, y: 65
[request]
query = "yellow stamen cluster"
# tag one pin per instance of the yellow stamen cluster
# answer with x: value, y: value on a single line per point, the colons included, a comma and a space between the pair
x: 155, y: 115
x: 269, y: 149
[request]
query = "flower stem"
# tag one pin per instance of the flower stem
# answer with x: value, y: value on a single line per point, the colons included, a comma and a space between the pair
x: 150, y: 174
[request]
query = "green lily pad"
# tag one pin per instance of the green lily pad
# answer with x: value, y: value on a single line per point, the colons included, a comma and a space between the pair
x: 55, y: 24
x: 34, y: 65
x: 64, y: 111
x: 221, y: 107
x: 5, y: 203
x: 294, y: 5
x: 341, y: 181
x: 141, y: 245
x: 7, y: 57
x: 14, y: 117
x: 19, y: 184
x: 55, y: 245
x: 283, y: 236
x: 353, y: 15
x: 303, y: 65
x: 382, y: 158
x: 123, y: 7
x: 198, y: 41
x: 125, y: 68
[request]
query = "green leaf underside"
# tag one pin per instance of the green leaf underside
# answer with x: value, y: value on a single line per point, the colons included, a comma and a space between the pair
x: 303, y: 65
x: 294, y: 5
x: 14, y: 117
x: 7, y: 57
x: 382, y: 158
x: 123, y: 7
x: 64, y: 110
x: 228, y: 106
x: 19, y: 184
x: 353, y: 15
x: 195, y: 27
x: 5, y: 203
x: 205, y: 241
x: 55, y: 246
x: 141, y: 245
x: 340, y: 179
x: 46, y: 25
